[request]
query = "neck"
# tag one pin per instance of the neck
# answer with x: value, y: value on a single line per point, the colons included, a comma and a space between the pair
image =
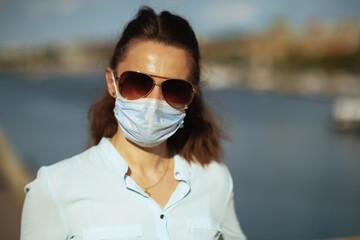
x: 140, y: 158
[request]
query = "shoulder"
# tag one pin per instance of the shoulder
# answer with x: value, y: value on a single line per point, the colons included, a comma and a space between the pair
x: 213, y: 170
x: 69, y: 167
x: 64, y: 173
x: 216, y: 174
x: 218, y: 170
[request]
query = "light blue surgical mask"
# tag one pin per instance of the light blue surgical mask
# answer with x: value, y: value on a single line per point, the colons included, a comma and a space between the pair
x: 147, y: 122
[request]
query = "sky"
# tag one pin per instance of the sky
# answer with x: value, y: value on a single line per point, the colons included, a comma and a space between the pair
x: 38, y: 22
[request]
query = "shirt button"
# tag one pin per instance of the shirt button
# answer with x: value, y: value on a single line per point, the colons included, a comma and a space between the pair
x: 177, y: 174
x: 162, y: 216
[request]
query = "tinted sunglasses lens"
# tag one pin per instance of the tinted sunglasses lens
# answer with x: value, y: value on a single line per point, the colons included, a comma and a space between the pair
x: 177, y: 93
x: 135, y: 85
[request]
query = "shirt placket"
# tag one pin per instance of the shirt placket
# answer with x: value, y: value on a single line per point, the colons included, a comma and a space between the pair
x: 161, y: 222
x: 159, y: 214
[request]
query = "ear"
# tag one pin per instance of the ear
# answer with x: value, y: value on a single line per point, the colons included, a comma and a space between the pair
x: 110, y: 83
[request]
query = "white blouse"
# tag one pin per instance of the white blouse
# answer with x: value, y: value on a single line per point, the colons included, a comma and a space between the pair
x: 90, y: 197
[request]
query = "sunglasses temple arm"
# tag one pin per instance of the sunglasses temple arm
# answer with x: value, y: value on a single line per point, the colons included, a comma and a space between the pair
x: 113, y: 78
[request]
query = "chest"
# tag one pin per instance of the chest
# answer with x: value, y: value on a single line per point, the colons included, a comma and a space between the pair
x: 127, y: 214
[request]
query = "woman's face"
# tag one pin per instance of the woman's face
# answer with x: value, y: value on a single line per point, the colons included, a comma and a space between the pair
x: 155, y: 59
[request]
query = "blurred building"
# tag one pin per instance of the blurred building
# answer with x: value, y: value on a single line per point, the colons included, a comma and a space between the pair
x: 321, y: 58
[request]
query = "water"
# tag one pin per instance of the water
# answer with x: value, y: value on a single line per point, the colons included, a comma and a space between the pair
x: 295, y: 176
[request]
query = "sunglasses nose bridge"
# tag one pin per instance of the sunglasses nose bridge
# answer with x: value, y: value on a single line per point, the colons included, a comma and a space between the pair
x: 156, y: 93
x: 157, y: 84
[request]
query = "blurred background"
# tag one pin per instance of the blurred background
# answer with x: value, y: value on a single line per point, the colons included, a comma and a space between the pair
x: 284, y: 76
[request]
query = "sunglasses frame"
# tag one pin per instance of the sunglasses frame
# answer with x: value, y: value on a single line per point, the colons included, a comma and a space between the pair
x: 151, y: 76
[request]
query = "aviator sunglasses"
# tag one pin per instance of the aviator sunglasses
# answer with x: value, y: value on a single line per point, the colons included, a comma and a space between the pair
x: 178, y: 93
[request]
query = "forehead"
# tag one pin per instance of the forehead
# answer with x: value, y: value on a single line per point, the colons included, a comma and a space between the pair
x: 156, y: 59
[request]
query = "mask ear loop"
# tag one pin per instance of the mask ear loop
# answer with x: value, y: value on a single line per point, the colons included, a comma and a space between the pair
x: 113, y: 78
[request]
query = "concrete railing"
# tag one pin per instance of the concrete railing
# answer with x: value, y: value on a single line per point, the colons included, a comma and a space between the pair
x: 12, y: 172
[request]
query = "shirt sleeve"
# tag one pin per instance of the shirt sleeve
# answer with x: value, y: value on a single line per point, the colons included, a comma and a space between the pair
x: 42, y: 216
x: 230, y: 225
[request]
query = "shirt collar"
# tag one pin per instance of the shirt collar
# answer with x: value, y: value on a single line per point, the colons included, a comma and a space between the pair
x: 181, y: 168
x: 116, y: 161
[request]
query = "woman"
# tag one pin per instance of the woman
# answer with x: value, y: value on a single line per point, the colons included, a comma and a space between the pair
x: 155, y: 172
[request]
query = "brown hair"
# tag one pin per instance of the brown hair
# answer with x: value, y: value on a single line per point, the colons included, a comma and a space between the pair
x: 200, y: 138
